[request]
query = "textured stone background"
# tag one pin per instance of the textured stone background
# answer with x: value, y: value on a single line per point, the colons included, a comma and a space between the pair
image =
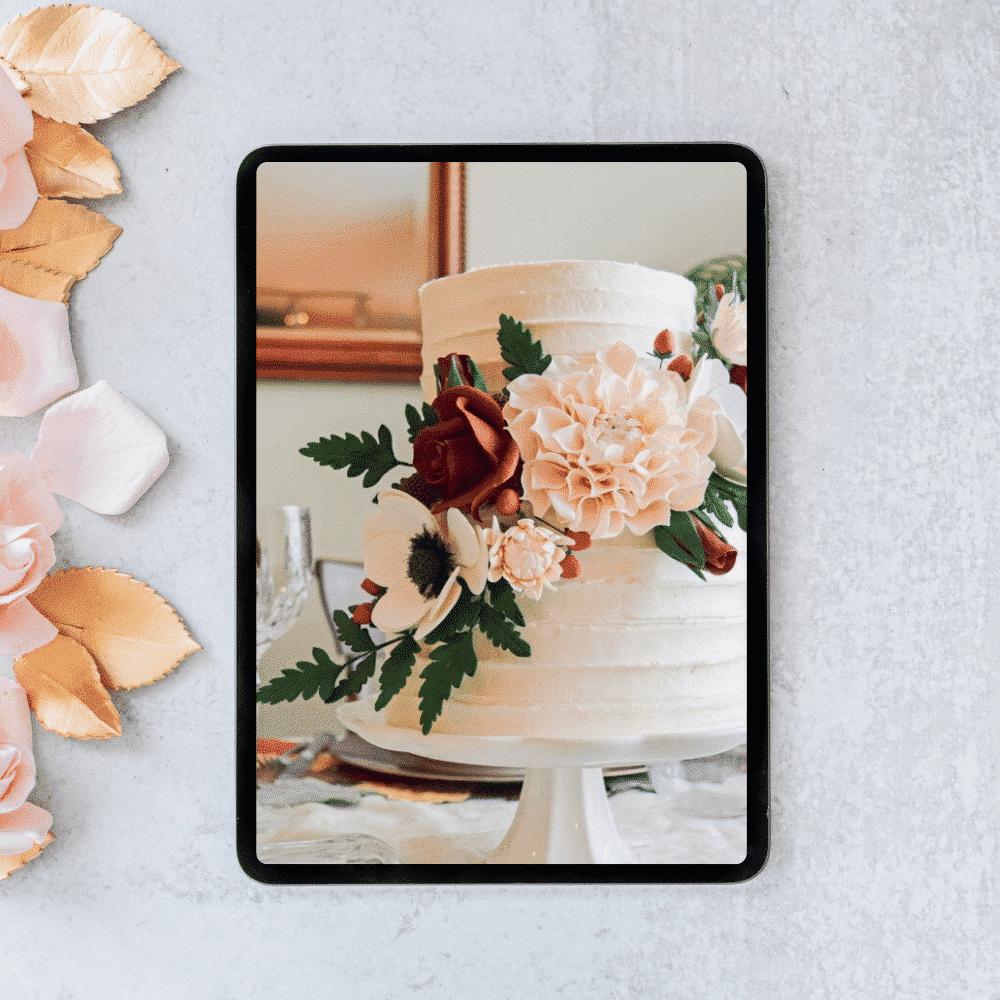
x: 878, y: 124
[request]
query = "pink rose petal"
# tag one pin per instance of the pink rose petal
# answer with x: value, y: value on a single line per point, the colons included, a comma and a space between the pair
x: 23, y: 629
x: 23, y: 828
x: 18, y: 191
x: 36, y: 358
x: 24, y: 497
x: 100, y: 450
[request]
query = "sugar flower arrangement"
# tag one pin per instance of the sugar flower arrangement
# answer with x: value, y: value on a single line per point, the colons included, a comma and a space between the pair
x: 73, y: 635
x: 506, y: 491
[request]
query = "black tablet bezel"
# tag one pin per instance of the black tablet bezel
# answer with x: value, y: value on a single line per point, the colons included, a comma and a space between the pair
x: 757, y: 663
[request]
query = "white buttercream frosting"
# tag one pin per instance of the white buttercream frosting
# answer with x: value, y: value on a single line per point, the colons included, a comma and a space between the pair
x: 637, y: 645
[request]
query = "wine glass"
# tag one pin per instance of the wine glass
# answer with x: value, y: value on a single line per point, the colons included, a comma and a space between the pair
x: 284, y: 569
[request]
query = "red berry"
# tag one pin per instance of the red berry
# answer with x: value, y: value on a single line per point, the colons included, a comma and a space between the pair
x: 683, y: 365
x: 362, y: 614
x: 719, y: 292
x: 570, y: 567
x: 371, y: 587
x: 508, y: 503
x: 664, y: 343
x: 581, y: 540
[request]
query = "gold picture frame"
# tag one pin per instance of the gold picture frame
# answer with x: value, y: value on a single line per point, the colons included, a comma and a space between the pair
x: 329, y: 354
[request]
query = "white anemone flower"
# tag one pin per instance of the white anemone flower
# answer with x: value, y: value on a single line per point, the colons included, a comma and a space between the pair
x: 709, y: 388
x: 420, y: 565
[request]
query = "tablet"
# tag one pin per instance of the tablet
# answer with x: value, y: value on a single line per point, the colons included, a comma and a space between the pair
x: 501, y: 544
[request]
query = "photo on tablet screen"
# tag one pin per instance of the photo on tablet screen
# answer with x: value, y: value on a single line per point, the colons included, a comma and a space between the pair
x: 501, y: 539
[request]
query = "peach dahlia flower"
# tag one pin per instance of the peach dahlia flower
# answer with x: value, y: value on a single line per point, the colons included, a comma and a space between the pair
x: 611, y: 443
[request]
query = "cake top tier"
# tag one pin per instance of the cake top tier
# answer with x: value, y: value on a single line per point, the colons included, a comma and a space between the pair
x: 573, y: 306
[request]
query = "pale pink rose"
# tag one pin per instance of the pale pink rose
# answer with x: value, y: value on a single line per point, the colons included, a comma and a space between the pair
x: 36, y: 358
x: 610, y: 444
x: 29, y: 515
x: 729, y: 329
x: 526, y: 555
x: 22, y: 825
x: 94, y: 447
x: 18, y: 192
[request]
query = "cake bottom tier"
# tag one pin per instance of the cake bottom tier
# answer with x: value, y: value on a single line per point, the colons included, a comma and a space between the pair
x: 591, y: 703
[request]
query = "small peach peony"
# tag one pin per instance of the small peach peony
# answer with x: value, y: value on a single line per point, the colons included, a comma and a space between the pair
x: 526, y: 555
x: 610, y: 444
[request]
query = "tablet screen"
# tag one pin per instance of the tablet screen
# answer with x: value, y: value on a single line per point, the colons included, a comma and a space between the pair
x: 501, y: 563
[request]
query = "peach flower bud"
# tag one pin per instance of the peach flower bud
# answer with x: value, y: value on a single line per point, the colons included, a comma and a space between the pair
x: 362, y: 614
x: 683, y: 365
x: 720, y: 556
x: 664, y: 343
x: 581, y: 540
x: 570, y: 567
x: 508, y: 503
x: 719, y: 292
x: 371, y: 587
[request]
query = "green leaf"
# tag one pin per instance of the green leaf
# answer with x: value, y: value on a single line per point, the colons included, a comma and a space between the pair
x: 478, y: 382
x: 714, y: 505
x: 463, y: 615
x: 450, y: 663
x: 686, y: 535
x: 304, y: 680
x: 520, y: 350
x: 718, y: 491
x: 362, y: 455
x: 417, y: 420
x: 357, y: 674
x: 718, y: 271
x: 355, y: 637
x: 502, y: 633
x: 502, y: 598
x: 396, y: 670
x: 680, y: 541
x: 454, y: 375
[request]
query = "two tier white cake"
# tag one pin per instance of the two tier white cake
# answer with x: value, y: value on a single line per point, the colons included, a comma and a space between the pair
x: 638, y: 645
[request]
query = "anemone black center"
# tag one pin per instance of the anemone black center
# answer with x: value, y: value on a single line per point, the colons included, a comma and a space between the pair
x: 430, y: 563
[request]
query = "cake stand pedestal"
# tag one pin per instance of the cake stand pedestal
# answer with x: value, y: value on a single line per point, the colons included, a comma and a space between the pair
x: 563, y: 816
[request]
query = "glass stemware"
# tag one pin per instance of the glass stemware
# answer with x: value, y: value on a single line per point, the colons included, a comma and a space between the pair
x: 284, y: 569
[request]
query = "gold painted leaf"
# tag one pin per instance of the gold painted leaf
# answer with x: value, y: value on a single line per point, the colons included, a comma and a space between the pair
x: 55, y: 247
x: 12, y: 862
x: 133, y: 634
x: 68, y: 162
x: 15, y: 77
x: 35, y: 282
x: 65, y: 691
x: 83, y: 63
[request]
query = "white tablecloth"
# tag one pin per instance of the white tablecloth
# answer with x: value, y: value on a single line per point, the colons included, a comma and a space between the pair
x: 653, y: 825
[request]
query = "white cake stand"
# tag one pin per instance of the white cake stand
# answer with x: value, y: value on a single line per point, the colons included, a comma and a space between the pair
x: 562, y: 817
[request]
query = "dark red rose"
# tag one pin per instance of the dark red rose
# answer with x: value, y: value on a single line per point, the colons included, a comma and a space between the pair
x: 738, y: 376
x: 468, y: 456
